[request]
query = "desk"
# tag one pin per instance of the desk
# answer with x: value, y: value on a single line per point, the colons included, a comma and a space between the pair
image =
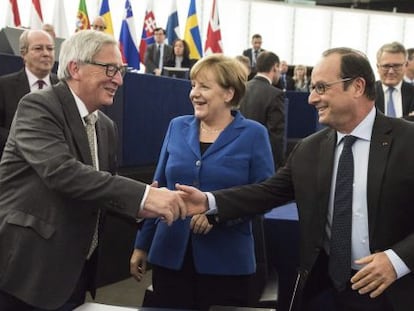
x: 101, y: 307
x: 281, y: 229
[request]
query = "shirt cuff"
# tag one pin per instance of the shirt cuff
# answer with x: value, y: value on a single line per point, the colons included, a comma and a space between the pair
x: 144, y: 197
x: 212, y: 206
x: 399, y: 266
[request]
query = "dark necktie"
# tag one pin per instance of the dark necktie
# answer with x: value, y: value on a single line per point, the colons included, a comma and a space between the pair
x: 40, y: 84
x: 90, y: 121
x: 341, y: 229
x: 158, y: 56
x: 256, y: 53
x: 390, y: 104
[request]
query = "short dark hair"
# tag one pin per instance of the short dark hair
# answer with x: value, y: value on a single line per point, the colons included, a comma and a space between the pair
x: 158, y: 29
x: 355, y: 64
x: 266, y: 60
x: 410, y: 53
x: 186, y: 53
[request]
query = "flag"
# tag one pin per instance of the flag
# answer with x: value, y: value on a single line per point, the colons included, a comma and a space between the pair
x: 213, y: 41
x: 59, y: 20
x: 36, y: 18
x: 13, y: 16
x: 106, y: 14
x: 192, y: 32
x: 82, y: 19
x: 147, y: 36
x: 128, y: 39
x: 172, y: 29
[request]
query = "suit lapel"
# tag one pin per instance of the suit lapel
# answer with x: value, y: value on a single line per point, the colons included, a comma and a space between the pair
x: 380, y: 146
x: 74, y: 122
x: 102, y: 138
x: 326, y: 158
x: 21, y: 86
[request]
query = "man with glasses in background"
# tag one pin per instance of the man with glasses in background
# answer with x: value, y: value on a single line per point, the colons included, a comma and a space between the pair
x: 394, y: 96
x: 99, y: 24
x: 352, y: 183
x: 58, y: 178
x: 37, y: 49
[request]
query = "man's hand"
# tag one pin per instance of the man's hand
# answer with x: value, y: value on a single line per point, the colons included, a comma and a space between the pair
x: 195, y: 199
x: 199, y: 224
x: 376, y: 276
x: 138, y: 264
x: 165, y: 204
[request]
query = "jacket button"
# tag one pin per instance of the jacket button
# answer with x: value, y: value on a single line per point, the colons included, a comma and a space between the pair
x: 198, y: 163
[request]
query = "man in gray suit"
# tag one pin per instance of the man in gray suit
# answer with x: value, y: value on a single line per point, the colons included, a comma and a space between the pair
x: 157, y: 54
x: 58, y: 177
x: 37, y: 49
x: 265, y: 103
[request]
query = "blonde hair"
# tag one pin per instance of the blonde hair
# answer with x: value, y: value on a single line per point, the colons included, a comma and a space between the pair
x: 227, y: 71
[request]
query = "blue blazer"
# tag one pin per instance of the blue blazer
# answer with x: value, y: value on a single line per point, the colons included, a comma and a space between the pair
x: 241, y: 155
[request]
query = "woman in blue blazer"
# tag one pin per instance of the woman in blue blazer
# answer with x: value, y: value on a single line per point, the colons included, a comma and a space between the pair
x: 197, y: 264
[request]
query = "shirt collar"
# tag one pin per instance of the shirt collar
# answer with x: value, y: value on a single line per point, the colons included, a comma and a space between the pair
x: 83, y: 111
x: 397, y: 87
x: 363, y: 130
x: 263, y: 76
x: 33, y: 79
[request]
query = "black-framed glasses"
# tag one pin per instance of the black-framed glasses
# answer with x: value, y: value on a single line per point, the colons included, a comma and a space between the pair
x: 110, y: 69
x: 387, y: 67
x: 321, y: 87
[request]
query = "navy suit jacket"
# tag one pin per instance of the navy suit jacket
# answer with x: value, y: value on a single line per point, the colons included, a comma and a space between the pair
x: 241, y: 155
x: 12, y: 88
x: 306, y: 178
x: 407, y: 93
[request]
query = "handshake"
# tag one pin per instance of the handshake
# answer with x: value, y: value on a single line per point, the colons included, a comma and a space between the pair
x: 170, y: 205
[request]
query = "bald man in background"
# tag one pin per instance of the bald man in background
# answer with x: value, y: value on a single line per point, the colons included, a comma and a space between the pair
x: 37, y: 49
x: 98, y: 24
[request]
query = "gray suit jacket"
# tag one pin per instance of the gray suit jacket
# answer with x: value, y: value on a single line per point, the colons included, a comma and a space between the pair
x: 151, y: 54
x: 50, y: 196
x: 12, y: 88
x: 306, y: 178
x: 265, y: 103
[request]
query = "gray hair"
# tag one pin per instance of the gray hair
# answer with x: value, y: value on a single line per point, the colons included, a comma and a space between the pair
x: 393, y: 47
x: 81, y: 47
x: 24, y: 39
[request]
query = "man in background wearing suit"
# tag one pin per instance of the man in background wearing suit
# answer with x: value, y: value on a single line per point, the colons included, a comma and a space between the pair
x: 37, y: 49
x: 286, y: 82
x: 361, y: 166
x: 157, y: 54
x: 409, y: 72
x: 265, y: 103
x: 58, y: 177
x: 253, y: 52
x: 394, y: 96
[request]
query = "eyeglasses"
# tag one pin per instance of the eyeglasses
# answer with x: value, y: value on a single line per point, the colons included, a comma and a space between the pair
x: 388, y: 67
x: 321, y: 87
x: 111, y: 69
x: 98, y: 27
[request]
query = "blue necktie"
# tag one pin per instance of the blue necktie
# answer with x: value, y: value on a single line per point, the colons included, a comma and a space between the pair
x: 390, y: 104
x: 341, y: 229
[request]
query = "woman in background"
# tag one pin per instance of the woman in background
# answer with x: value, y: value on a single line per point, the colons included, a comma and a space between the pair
x: 197, y: 263
x: 180, y: 58
x: 300, y: 78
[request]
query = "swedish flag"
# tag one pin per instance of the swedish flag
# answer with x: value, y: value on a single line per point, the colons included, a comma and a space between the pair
x: 192, y: 33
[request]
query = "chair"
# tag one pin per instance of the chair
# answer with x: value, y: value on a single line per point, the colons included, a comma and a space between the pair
x: 265, y: 293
